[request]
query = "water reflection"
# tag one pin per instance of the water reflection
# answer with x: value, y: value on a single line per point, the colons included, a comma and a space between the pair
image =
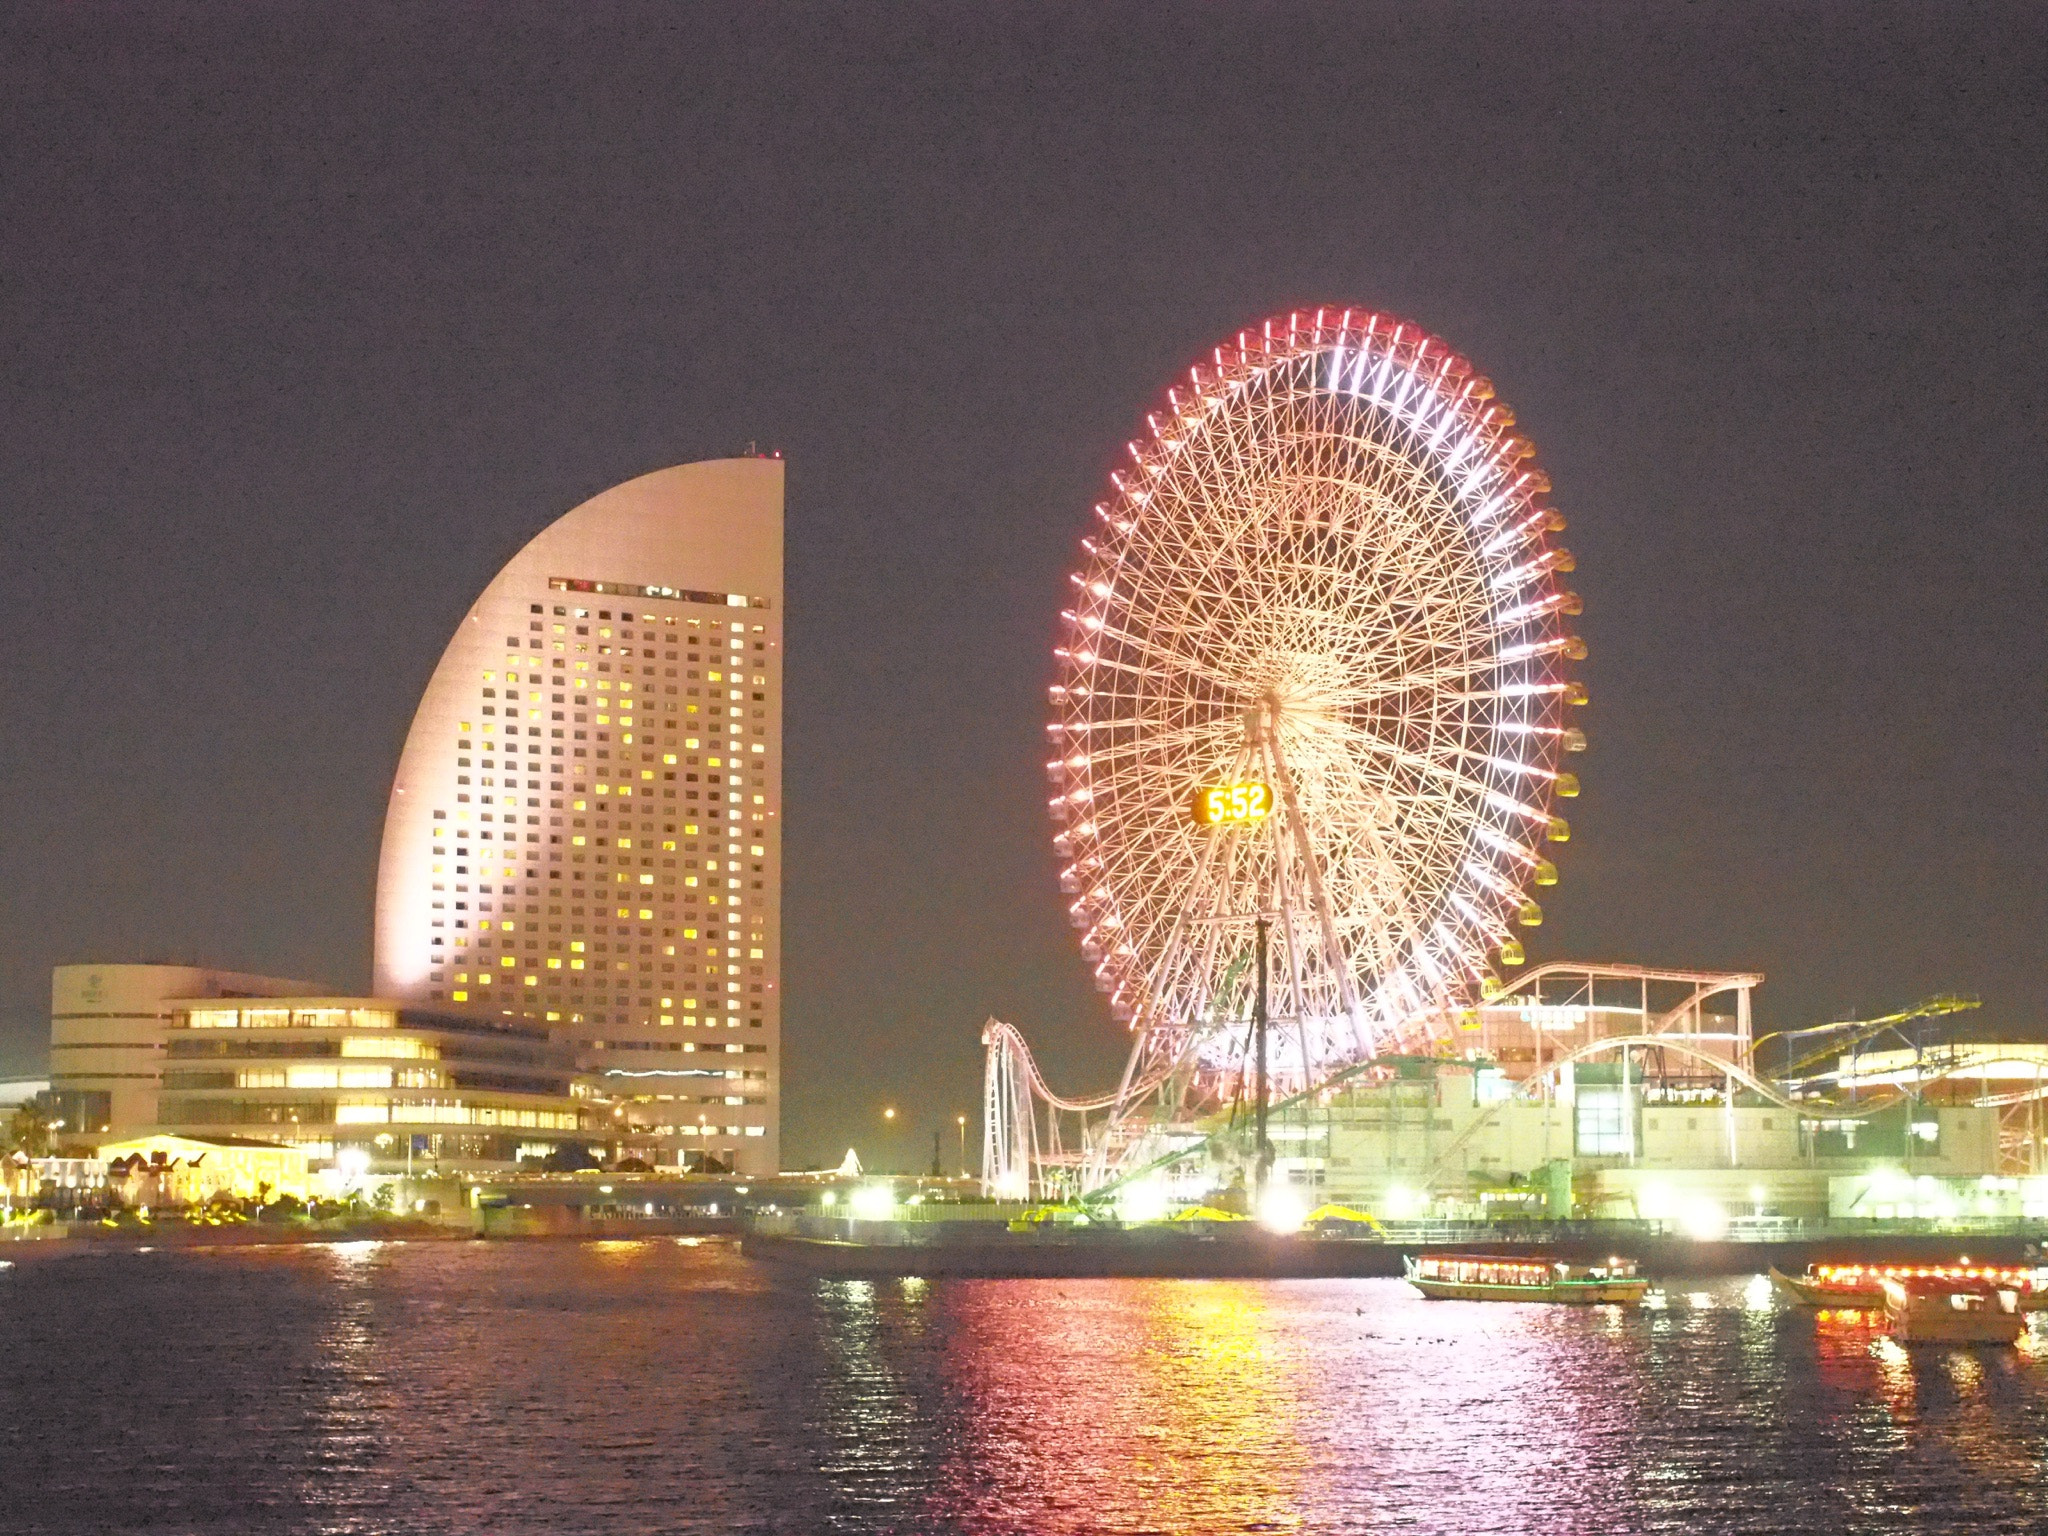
x: 1128, y: 1406
x: 875, y: 1415
x: 1952, y: 1405
x: 1241, y: 1406
x: 655, y: 1387
x: 1176, y: 1402
x: 1758, y: 1295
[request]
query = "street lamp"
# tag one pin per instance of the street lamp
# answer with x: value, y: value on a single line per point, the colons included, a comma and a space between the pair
x: 962, y: 1120
x: 384, y: 1140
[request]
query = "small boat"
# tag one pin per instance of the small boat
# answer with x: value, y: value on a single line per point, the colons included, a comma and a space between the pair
x: 1490, y: 1277
x: 1861, y: 1286
x: 1921, y: 1310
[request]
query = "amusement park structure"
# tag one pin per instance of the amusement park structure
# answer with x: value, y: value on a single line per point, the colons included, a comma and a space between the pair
x: 1314, y: 690
x: 1309, y: 731
x: 1577, y: 1065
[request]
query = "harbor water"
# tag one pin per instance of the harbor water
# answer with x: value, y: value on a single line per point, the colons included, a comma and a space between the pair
x: 671, y: 1385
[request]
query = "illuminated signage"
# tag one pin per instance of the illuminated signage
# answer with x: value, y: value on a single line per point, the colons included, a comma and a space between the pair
x: 1222, y: 804
x: 1549, y: 1016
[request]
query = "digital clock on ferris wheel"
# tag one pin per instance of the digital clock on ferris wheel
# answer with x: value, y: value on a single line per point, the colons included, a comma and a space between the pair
x: 1227, y: 804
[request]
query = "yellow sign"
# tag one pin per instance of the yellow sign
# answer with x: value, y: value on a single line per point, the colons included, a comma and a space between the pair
x: 1227, y: 803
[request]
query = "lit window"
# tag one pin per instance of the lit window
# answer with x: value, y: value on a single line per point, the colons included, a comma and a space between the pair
x: 1602, y: 1122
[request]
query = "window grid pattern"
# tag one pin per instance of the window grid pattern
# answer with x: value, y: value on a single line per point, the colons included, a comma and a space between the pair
x: 604, y: 856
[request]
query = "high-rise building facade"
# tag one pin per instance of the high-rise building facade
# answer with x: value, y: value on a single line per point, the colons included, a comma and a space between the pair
x: 585, y: 828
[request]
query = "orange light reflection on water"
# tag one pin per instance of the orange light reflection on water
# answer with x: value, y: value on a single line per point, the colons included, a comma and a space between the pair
x: 1104, y: 1402
x: 1953, y: 1400
x: 1194, y: 1406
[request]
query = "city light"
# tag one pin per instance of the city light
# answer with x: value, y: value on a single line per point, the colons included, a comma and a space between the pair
x: 1401, y: 1203
x: 1141, y: 1201
x: 873, y: 1202
x: 1695, y: 1216
x: 1703, y: 1220
x: 1282, y: 1210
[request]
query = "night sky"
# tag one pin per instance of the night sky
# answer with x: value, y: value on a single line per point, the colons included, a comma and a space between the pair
x: 311, y: 316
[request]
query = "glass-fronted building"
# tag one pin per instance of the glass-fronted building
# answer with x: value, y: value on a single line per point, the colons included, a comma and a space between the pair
x: 334, y: 1075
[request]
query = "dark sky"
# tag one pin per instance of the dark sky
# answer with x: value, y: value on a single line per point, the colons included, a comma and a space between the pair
x: 311, y: 316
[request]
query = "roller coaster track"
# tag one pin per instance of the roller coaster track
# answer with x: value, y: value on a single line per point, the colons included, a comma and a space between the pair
x: 1013, y: 1154
x: 1705, y: 984
x: 1011, y: 1039
x: 1008, y: 1046
x: 1845, y: 1036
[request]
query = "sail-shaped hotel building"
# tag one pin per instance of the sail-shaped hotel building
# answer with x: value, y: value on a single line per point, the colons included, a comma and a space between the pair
x: 585, y: 828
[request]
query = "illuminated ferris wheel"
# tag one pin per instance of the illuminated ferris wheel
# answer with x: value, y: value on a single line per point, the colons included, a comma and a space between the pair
x: 1314, y: 687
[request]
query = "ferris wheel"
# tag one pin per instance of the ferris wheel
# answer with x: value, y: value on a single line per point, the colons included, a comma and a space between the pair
x: 1313, y: 694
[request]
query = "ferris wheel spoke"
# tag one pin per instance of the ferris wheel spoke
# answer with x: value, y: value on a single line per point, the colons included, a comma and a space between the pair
x: 1183, y: 736
x: 1435, y: 678
x: 1416, y: 760
x: 1175, y: 660
x: 1126, y: 669
x: 1184, y: 902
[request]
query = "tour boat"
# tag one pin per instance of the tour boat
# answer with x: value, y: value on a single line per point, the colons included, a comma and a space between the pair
x: 1862, y: 1285
x: 1489, y: 1277
x: 1923, y: 1310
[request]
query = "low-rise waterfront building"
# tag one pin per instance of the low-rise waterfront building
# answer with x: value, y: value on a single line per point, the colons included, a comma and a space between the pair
x: 1892, y: 1195
x: 108, y: 1025
x: 1641, y: 1149
x: 62, y: 1183
x: 379, y: 1081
